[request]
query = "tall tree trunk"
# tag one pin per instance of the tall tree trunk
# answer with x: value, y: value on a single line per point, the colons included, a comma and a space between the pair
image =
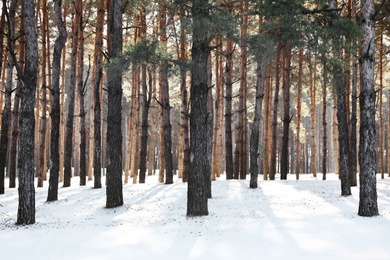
x: 41, y: 165
x: 55, y: 112
x: 2, y: 26
x: 313, y: 158
x: 153, y: 131
x: 368, y: 205
x: 97, y: 78
x: 165, y: 106
x: 286, y: 114
x: 26, y: 164
x: 210, y: 125
x: 324, y: 138
x: 70, y: 117
x: 255, y: 133
x: 228, y: 78
x: 145, y: 103
x: 299, y: 115
x: 81, y: 95
x: 381, y: 146
x: 198, y: 180
x: 114, y: 192
x: 16, y: 112
x: 6, y: 114
x: 272, y: 170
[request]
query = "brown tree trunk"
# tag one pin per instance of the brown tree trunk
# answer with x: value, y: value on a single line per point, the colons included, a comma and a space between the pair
x: 381, y: 146
x: 153, y: 131
x: 324, y: 137
x: 313, y: 158
x: 299, y: 116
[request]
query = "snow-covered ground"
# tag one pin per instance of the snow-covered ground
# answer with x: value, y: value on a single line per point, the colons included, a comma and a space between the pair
x: 305, y: 219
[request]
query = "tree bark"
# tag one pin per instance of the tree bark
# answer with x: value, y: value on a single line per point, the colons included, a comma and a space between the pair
x: 368, y: 205
x: 324, y: 138
x: 114, y: 192
x: 313, y: 158
x: 198, y: 181
x: 299, y: 115
x: 55, y: 112
x: 26, y: 164
x: 6, y: 113
x: 286, y: 114
x: 255, y: 133
x: 70, y: 117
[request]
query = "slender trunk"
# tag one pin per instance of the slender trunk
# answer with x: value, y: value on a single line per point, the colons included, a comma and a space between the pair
x: 6, y: 114
x: 145, y: 103
x: 81, y: 95
x: 368, y: 205
x: 381, y: 148
x: 41, y: 166
x: 299, y: 115
x: 228, y: 109
x: 55, y: 109
x: 153, y: 132
x: 2, y: 26
x: 255, y: 133
x: 70, y: 117
x: 272, y: 170
x: 324, y: 137
x: 313, y: 158
x: 286, y: 114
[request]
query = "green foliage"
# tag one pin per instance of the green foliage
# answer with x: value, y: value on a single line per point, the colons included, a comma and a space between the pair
x: 146, y: 52
x: 261, y: 47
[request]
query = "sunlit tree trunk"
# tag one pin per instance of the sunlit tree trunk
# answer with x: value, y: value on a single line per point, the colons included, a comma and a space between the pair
x: 299, y: 116
x: 153, y: 131
x: 313, y: 160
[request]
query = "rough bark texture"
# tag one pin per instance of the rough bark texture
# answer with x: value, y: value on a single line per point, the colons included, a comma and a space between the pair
x: 368, y: 205
x: 55, y: 109
x: 284, y: 165
x: 228, y: 110
x: 114, y: 192
x: 313, y: 106
x: 324, y: 132
x: 255, y: 133
x: 26, y: 165
x: 200, y: 167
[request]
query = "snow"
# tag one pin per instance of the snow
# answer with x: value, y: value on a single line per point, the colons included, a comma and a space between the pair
x: 291, y: 219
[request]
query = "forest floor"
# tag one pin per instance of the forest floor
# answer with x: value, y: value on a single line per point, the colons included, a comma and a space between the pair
x: 305, y: 219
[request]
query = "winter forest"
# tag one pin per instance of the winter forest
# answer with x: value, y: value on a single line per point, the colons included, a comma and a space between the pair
x: 116, y: 92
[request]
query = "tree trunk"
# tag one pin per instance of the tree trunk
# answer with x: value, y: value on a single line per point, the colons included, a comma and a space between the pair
x: 81, y: 94
x: 324, y: 138
x: 368, y: 205
x: 272, y: 170
x: 55, y: 112
x: 16, y: 113
x: 145, y: 103
x: 114, y: 192
x: 41, y: 165
x: 26, y: 164
x: 255, y: 133
x: 299, y: 115
x: 198, y: 180
x: 6, y: 114
x: 153, y: 131
x: 313, y: 158
x: 286, y: 114
x: 70, y: 117
x: 228, y: 109
x: 2, y: 25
